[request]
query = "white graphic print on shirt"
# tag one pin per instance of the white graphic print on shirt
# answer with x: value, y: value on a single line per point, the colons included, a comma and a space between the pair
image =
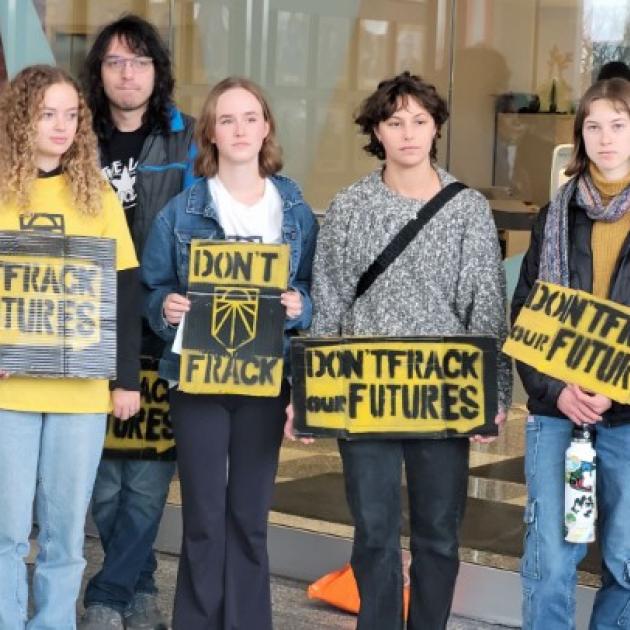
x: 122, y: 176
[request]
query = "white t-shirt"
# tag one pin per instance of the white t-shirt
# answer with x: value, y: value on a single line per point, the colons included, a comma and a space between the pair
x: 258, y: 223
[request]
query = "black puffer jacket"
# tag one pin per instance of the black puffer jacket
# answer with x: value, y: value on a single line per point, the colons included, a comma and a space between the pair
x: 543, y: 390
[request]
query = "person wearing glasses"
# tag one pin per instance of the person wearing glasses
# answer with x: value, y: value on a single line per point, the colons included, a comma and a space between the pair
x: 146, y: 153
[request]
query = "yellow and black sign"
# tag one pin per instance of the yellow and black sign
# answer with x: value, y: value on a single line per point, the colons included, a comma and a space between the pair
x: 57, y: 305
x: 149, y: 434
x: 575, y: 337
x: 394, y: 386
x: 233, y: 333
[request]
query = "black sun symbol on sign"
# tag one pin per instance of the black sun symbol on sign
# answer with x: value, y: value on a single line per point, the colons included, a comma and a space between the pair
x: 235, y: 316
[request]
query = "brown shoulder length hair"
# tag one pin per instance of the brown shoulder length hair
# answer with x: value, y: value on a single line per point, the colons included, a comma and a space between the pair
x: 385, y: 101
x: 617, y: 92
x: 207, y: 161
x: 21, y: 104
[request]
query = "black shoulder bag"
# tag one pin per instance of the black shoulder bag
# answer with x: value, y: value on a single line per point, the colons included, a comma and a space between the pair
x: 407, y: 233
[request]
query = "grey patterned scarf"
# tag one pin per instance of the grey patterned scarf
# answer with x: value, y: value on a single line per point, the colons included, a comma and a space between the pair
x: 554, y: 255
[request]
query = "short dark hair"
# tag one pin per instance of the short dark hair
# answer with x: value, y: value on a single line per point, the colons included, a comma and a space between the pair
x: 385, y: 102
x: 614, y: 70
x: 617, y: 92
x: 143, y: 39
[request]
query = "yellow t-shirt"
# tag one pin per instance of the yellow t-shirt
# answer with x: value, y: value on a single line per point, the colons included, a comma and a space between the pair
x: 52, y: 195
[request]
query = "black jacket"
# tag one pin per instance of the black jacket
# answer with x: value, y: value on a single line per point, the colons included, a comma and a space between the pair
x: 165, y: 168
x: 543, y: 390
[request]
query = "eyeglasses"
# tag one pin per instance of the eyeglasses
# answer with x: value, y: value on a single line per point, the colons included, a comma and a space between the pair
x: 139, y: 64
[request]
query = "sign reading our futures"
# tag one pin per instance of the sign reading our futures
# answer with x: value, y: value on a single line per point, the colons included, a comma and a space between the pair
x: 57, y: 305
x: 575, y: 337
x: 393, y: 386
x: 149, y: 434
x: 233, y: 334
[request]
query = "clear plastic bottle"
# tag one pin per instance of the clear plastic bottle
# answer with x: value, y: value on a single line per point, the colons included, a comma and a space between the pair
x: 580, y: 501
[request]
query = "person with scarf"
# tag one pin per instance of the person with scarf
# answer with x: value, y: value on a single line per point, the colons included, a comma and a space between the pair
x: 580, y: 240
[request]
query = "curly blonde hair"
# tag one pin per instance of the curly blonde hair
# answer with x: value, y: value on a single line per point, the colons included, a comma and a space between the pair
x: 21, y: 103
x: 207, y: 161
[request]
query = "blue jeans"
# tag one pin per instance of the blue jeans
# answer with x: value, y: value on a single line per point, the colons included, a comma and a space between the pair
x: 437, y: 482
x: 127, y: 505
x: 549, y: 563
x: 51, y: 459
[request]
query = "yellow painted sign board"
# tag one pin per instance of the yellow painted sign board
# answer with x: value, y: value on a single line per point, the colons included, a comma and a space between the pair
x: 575, y: 337
x: 149, y: 434
x: 394, y: 386
x: 233, y: 333
x: 57, y: 305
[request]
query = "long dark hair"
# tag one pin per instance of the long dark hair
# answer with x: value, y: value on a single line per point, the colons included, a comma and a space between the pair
x: 143, y: 39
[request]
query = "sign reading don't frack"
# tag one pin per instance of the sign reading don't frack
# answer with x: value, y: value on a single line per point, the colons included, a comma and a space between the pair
x: 575, y: 337
x: 57, y: 305
x: 422, y: 386
x: 233, y: 334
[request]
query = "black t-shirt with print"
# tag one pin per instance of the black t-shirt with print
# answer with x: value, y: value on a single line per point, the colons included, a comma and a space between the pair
x: 121, y: 155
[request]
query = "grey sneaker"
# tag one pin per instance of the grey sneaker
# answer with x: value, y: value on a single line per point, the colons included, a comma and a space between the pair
x: 99, y: 617
x: 144, y: 614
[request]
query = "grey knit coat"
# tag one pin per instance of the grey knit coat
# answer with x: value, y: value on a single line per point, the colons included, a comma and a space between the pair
x: 448, y: 281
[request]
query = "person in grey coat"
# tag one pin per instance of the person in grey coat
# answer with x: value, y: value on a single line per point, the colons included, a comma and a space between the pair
x: 448, y: 281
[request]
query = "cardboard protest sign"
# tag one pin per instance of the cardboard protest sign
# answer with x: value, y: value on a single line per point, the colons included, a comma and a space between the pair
x: 233, y: 334
x: 395, y: 386
x: 57, y: 304
x: 149, y: 434
x: 575, y: 337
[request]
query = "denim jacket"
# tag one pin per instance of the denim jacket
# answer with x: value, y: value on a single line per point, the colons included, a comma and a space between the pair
x: 193, y: 215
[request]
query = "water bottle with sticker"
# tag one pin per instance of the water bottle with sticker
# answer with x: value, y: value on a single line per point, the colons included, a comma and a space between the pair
x: 580, y: 501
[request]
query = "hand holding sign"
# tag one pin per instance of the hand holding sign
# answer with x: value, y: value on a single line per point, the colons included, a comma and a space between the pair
x: 289, y: 432
x: 499, y: 420
x: 4, y: 374
x: 582, y: 407
x: 292, y: 301
x: 175, y: 305
x: 125, y: 403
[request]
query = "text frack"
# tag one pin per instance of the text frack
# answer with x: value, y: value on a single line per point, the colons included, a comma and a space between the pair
x: 426, y: 386
x: 233, y: 333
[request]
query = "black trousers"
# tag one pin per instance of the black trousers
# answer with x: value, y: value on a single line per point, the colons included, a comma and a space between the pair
x: 227, y: 455
x: 437, y: 480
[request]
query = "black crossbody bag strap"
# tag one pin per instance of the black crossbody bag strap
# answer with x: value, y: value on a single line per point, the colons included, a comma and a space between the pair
x: 407, y: 233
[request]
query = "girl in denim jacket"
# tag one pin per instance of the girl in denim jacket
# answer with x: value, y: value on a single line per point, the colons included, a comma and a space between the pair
x: 223, y: 579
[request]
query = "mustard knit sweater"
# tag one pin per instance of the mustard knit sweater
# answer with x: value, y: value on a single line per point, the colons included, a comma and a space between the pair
x: 607, y: 238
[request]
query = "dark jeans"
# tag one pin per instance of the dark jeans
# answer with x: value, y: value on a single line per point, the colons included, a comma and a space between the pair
x: 227, y: 453
x: 127, y: 505
x: 437, y: 478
